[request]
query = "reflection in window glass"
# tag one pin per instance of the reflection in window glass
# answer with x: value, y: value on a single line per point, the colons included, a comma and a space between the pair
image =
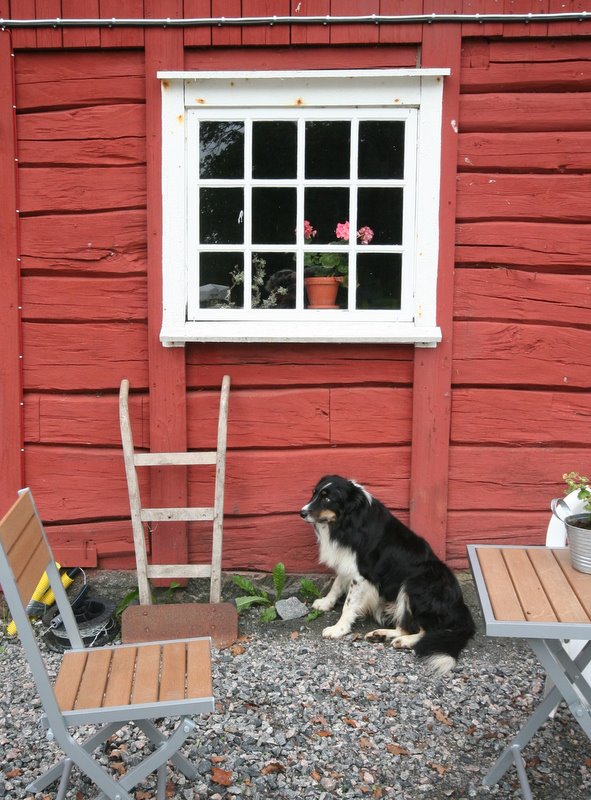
x: 274, y: 149
x: 274, y: 215
x: 221, y: 280
x: 381, y: 149
x: 379, y: 281
x: 273, y: 280
x: 221, y: 216
x: 381, y: 209
x: 221, y: 149
x: 328, y: 149
x: 324, y: 209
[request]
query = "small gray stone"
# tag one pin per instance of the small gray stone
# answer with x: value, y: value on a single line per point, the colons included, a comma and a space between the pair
x: 291, y: 608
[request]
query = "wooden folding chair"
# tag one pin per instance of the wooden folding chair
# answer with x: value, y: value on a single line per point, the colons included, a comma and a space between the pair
x: 140, y: 515
x: 107, y: 687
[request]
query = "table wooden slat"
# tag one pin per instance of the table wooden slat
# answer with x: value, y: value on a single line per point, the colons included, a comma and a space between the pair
x: 556, y: 586
x: 580, y: 581
x: 501, y: 592
x: 68, y: 679
x: 147, y: 674
x: 199, y: 669
x: 174, y: 671
x: 118, y: 692
x: 533, y: 598
x: 94, y: 680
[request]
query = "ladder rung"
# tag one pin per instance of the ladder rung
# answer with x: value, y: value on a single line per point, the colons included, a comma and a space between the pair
x: 176, y: 514
x: 179, y: 571
x: 174, y: 459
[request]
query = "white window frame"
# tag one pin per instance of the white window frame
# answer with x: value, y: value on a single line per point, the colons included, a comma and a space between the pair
x: 219, y: 95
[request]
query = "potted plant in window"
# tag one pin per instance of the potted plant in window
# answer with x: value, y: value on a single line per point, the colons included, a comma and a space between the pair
x: 325, y: 272
x: 576, y: 515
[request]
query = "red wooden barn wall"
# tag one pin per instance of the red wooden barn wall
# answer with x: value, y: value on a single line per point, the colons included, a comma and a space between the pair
x: 468, y: 440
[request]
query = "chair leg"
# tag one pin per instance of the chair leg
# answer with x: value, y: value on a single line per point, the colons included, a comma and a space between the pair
x: 63, y: 787
x: 161, y: 786
x: 158, y: 738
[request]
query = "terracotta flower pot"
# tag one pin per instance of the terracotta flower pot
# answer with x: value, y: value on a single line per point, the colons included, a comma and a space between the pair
x: 322, y: 292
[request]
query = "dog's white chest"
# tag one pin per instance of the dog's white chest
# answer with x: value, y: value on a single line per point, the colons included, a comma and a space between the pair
x: 340, y: 559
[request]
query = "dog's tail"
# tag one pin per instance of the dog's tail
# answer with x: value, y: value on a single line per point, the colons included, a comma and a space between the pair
x: 440, y: 648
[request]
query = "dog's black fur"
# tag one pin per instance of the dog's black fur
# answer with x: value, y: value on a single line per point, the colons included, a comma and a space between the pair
x: 389, y: 571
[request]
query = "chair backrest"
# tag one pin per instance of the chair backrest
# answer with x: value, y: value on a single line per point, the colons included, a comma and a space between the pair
x: 24, y: 556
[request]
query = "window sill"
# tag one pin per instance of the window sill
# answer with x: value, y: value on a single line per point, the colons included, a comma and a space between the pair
x: 350, y: 332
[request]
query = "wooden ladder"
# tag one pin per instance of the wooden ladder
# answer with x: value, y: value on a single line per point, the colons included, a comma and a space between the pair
x: 140, y: 515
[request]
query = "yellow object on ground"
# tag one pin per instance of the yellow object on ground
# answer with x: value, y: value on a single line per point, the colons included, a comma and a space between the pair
x: 38, y: 597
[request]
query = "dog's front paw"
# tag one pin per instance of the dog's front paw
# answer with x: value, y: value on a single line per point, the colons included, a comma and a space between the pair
x: 335, y: 631
x: 382, y: 634
x: 323, y: 604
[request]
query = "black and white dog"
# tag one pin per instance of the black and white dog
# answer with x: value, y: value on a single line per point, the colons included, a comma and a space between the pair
x: 385, y: 569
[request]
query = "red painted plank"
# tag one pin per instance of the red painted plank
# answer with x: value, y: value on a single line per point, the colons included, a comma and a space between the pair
x: 11, y: 467
x: 74, y: 484
x: 64, y: 79
x: 73, y: 357
x: 493, y: 353
x: 527, y: 76
x: 524, y: 112
x: 108, y: 242
x: 91, y: 122
x: 302, y: 58
x: 568, y: 27
x: 123, y: 9
x: 482, y: 7
x: 565, y: 198
x: 79, y: 299
x: 310, y: 34
x: 522, y: 296
x: 82, y: 419
x: 168, y: 390
x: 197, y: 36
x: 401, y: 32
x: 225, y: 35
x: 81, y: 9
x: 23, y: 37
x: 520, y: 417
x: 48, y: 9
x: 47, y: 189
x: 124, y: 151
x: 557, y: 152
x: 349, y: 33
x: 493, y: 527
x: 509, y: 478
x: 287, y: 365
x: 370, y: 415
x: 256, y: 35
x: 522, y: 31
x: 432, y: 367
x: 542, y: 49
x: 540, y: 245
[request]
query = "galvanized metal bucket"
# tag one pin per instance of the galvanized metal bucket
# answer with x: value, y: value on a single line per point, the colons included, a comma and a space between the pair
x: 579, y: 538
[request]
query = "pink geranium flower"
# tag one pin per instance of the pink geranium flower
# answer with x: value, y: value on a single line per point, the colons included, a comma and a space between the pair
x: 365, y: 234
x: 342, y: 231
x: 309, y: 232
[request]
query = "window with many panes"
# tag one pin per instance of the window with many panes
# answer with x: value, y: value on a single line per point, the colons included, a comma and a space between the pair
x: 273, y: 180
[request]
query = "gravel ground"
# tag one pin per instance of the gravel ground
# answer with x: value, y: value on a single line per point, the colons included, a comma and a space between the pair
x: 301, y: 717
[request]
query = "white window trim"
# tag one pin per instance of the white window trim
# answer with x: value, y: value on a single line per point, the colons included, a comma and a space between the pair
x: 413, y: 88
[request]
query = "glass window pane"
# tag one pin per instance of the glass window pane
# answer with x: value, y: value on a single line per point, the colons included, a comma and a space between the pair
x: 381, y: 149
x: 274, y: 149
x: 221, y: 149
x: 381, y: 210
x: 379, y: 281
x: 273, y: 215
x: 273, y: 280
x: 328, y: 149
x: 324, y: 209
x: 221, y: 216
x: 221, y: 280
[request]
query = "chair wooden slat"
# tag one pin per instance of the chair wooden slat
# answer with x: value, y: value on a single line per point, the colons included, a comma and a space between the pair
x: 174, y: 671
x: 33, y: 564
x: 147, y: 674
x: 94, y: 680
x: 580, y: 581
x: 534, y: 601
x: 120, y: 681
x: 199, y: 669
x: 16, y: 520
x: 502, y: 594
x: 564, y: 601
x: 68, y: 679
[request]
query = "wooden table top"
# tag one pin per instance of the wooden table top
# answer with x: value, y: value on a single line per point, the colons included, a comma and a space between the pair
x: 534, y: 589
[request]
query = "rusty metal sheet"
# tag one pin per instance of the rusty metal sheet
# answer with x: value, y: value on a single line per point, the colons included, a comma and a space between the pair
x: 180, y: 621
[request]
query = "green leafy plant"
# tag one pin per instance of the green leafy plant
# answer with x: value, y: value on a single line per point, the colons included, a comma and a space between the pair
x: 577, y: 482
x: 322, y: 265
x: 157, y: 597
x: 256, y: 596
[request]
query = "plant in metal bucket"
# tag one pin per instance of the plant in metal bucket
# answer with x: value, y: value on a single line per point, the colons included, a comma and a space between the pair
x: 580, y: 484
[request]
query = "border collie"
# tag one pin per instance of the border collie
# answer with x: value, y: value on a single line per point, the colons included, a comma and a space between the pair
x: 388, y: 571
